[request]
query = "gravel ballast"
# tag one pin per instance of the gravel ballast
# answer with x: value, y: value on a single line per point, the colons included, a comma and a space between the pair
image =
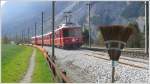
x: 81, y: 68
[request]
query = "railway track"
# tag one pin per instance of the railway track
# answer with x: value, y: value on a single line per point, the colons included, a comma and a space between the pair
x: 128, y: 53
x: 140, y: 63
x: 125, y: 58
x: 84, y: 65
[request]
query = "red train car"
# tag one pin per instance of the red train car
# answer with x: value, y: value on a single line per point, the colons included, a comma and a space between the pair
x: 33, y: 40
x: 66, y: 36
x: 47, y: 38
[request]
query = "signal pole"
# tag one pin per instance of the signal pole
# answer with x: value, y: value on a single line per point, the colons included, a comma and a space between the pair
x: 42, y: 30
x: 53, y: 25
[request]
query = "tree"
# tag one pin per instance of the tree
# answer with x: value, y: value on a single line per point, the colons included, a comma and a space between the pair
x: 136, y: 40
x: 101, y: 39
x: 5, y: 40
x: 85, y: 33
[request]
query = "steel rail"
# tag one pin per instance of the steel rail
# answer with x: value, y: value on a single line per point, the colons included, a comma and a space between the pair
x: 118, y: 62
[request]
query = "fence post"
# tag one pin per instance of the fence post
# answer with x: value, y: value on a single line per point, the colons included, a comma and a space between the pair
x: 64, y: 72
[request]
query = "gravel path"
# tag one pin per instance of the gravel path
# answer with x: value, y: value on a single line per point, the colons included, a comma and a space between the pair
x: 81, y: 68
x: 28, y: 76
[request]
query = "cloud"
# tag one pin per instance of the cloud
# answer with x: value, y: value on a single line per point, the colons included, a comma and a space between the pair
x: 2, y: 3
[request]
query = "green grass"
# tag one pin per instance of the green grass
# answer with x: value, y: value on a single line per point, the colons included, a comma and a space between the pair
x: 41, y: 73
x: 15, y: 60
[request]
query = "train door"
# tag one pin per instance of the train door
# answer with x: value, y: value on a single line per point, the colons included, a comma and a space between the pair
x: 35, y: 41
x: 55, y: 40
x: 60, y: 34
x: 59, y: 37
x: 46, y: 39
x: 58, y: 41
x: 49, y: 39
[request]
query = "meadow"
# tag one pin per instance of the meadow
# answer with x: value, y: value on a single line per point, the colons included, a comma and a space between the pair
x: 15, y: 62
x: 41, y: 74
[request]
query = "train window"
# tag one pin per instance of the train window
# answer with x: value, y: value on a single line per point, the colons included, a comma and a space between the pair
x: 75, y: 32
x: 72, y: 32
x: 65, y: 33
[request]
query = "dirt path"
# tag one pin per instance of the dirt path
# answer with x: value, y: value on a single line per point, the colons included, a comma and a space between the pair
x: 28, y: 76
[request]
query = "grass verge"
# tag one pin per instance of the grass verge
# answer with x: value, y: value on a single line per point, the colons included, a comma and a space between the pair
x: 15, y: 60
x: 41, y: 73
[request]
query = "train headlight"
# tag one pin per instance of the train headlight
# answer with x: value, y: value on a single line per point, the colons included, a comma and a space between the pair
x: 73, y: 40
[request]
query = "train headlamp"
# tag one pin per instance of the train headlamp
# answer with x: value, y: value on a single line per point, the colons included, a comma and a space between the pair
x: 73, y: 40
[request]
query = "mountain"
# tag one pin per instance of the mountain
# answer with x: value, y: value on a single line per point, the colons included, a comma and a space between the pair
x: 24, y: 15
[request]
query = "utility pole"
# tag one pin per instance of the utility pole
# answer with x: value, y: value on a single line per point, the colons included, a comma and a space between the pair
x: 53, y: 25
x: 35, y: 34
x: 16, y: 38
x: 22, y: 37
x: 147, y: 27
x: 89, y: 22
x: 42, y: 30
x: 28, y: 35
x: 25, y: 35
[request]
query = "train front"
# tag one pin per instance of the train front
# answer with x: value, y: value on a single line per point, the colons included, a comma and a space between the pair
x: 72, y: 37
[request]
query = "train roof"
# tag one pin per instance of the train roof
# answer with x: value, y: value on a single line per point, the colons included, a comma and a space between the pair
x: 47, y: 33
x: 71, y: 25
x: 41, y: 35
x: 33, y: 37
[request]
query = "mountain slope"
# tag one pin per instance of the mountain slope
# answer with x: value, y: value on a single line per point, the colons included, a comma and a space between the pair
x: 102, y: 13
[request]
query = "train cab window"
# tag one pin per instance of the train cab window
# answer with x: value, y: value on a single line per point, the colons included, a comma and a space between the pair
x: 71, y: 32
x: 65, y: 33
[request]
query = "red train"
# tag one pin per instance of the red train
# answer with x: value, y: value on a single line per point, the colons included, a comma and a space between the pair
x: 66, y: 36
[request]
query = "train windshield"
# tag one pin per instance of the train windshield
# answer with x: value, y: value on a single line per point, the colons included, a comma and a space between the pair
x: 71, y: 32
